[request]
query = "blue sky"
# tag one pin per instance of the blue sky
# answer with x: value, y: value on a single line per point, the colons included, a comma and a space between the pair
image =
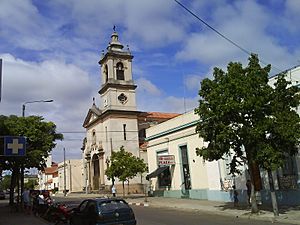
x: 51, y: 49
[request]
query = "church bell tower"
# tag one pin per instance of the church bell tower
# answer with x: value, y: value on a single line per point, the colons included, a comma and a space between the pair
x: 118, y: 89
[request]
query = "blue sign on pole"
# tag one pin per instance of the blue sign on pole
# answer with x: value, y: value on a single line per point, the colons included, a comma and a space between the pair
x: 14, y: 146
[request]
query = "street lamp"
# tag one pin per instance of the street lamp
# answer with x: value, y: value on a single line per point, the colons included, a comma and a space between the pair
x: 22, y: 166
x: 65, y: 178
x: 23, y: 106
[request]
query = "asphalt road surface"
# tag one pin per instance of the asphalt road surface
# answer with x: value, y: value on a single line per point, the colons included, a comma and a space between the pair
x: 166, y: 216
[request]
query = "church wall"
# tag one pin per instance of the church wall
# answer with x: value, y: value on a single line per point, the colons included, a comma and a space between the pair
x: 113, y: 102
x: 115, y: 135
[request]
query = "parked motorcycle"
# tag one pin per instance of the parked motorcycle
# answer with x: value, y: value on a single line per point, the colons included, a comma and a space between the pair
x: 58, y: 213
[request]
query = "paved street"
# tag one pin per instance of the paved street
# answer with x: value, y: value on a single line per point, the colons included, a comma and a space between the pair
x: 153, y: 216
x: 165, y: 211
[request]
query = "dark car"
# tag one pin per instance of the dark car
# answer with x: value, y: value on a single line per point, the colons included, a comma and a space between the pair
x: 103, y: 211
x: 2, y: 195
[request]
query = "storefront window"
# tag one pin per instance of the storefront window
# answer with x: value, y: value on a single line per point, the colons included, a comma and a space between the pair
x: 164, y: 179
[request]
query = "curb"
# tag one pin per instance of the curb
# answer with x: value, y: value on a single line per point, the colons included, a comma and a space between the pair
x: 138, y: 204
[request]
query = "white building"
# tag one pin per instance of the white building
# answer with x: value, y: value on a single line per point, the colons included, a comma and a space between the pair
x: 48, y: 178
x: 71, y: 176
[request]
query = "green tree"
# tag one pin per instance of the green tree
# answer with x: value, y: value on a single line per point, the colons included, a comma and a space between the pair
x: 124, y: 166
x: 40, y: 140
x: 5, y: 182
x: 243, y: 116
x: 31, y: 184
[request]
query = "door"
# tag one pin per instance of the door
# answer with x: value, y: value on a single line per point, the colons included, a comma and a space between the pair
x: 185, y: 171
x: 79, y: 216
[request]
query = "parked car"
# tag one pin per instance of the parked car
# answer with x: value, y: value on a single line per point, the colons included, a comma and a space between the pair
x: 2, y: 195
x: 103, y: 211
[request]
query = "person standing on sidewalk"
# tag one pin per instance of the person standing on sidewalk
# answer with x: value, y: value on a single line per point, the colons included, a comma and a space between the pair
x: 248, y: 185
x: 235, y: 197
x: 113, y: 190
x: 26, y: 201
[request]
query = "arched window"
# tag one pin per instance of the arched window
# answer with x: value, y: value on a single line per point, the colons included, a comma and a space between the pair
x: 120, y: 71
x: 94, y: 137
x: 96, y: 168
x: 106, y: 73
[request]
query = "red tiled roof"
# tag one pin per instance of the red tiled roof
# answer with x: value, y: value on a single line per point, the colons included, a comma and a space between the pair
x: 55, y: 174
x: 161, y: 115
x: 50, y: 170
x: 144, y: 145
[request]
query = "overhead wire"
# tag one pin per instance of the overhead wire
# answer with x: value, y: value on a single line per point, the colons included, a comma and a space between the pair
x: 220, y: 34
x: 84, y: 132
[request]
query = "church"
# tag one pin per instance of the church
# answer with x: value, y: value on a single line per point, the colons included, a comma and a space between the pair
x: 117, y: 122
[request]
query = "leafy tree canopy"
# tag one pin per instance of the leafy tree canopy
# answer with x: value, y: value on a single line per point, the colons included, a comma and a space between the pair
x: 124, y: 165
x: 5, y: 182
x: 244, y: 116
x: 40, y: 139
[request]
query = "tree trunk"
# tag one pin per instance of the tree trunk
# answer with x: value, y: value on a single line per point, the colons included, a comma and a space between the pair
x: 254, y: 208
x: 251, y: 168
x: 22, y: 181
x: 273, y: 194
x: 123, y: 189
x: 12, y: 186
x: 128, y: 187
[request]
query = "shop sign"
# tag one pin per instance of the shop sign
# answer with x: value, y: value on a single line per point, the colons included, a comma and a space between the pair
x: 166, y: 160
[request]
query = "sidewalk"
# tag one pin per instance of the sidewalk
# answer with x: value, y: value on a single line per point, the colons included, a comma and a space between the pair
x: 8, y: 217
x: 287, y: 214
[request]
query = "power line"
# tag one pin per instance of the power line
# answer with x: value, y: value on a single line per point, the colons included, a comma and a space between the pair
x: 219, y: 33
x: 74, y: 139
x: 84, y: 132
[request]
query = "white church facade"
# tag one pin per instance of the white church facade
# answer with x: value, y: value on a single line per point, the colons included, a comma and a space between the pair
x: 118, y: 122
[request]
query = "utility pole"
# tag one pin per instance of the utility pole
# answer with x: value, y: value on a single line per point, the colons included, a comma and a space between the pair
x: 86, y: 180
x: 0, y: 79
x: 65, y: 178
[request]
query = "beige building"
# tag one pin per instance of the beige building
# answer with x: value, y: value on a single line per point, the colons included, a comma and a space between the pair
x: 71, y: 177
x: 175, y: 169
x: 117, y: 122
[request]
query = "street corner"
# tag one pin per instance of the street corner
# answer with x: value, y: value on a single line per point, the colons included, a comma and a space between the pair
x: 139, y: 204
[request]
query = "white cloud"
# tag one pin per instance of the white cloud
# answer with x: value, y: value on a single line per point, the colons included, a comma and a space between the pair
x: 147, y: 86
x: 245, y: 23
x: 192, y: 82
x: 293, y: 6
x: 146, y: 21
x: 22, y: 25
x: 173, y: 104
x: 24, y: 80
x: 54, y: 47
x: 69, y: 87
